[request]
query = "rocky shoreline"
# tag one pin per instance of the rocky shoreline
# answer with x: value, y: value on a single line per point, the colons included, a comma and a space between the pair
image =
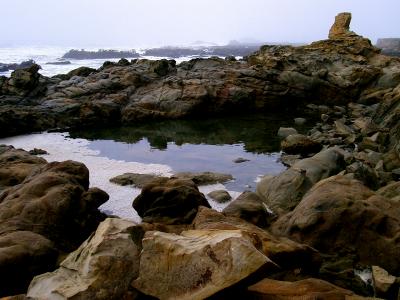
x: 328, y: 227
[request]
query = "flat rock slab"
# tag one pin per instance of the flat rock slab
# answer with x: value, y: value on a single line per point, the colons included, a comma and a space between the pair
x: 195, y: 264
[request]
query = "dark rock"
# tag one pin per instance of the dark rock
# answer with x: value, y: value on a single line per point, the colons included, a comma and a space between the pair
x: 250, y: 207
x: 169, y: 201
x: 220, y: 196
x: 37, y: 151
x: 240, y: 160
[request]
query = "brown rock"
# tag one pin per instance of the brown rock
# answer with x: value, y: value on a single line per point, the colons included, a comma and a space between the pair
x: 103, y: 267
x: 169, y: 201
x: 51, y: 211
x: 307, y: 289
x: 134, y: 179
x: 195, y: 264
x: 341, y: 27
x: 250, y: 207
x: 339, y: 215
x: 300, y: 144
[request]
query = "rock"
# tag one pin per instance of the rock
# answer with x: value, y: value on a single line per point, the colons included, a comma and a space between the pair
x: 103, y: 267
x: 204, y: 178
x: 51, y: 212
x: 384, y: 283
x: 283, y: 132
x: 37, y: 151
x: 284, y: 252
x: 81, y: 71
x: 195, y: 264
x: 300, y: 121
x: 341, y: 27
x: 134, y: 179
x: 250, y: 207
x: 23, y: 82
x: 390, y: 191
x: 283, y: 192
x: 341, y: 216
x: 289, y: 160
x: 324, y: 118
x: 16, y: 165
x: 240, y: 160
x: 343, y: 129
x: 300, y: 144
x: 169, y: 201
x: 365, y: 174
x: 220, y: 196
x: 304, y: 289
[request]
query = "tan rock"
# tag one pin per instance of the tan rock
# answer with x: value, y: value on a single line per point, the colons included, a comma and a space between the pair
x: 101, y: 268
x: 383, y: 281
x: 308, y: 289
x: 195, y: 264
x: 341, y: 27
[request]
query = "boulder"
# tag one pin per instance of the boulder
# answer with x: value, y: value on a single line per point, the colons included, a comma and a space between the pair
x: 51, y: 212
x: 24, y: 81
x: 134, y: 179
x: 311, y: 288
x: 283, y: 192
x: 250, y: 207
x: 300, y: 144
x: 384, y: 283
x: 16, y: 165
x: 195, y: 264
x: 220, y: 196
x: 169, y: 201
x: 286, y: 131
x: 204, y: 178
x: 286, y: 253
x: 103, y: 267
x: 340, y: 216
x: 390, y: 191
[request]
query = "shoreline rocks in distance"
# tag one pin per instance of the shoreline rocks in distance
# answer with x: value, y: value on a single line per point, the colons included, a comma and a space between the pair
x: 99, y: 54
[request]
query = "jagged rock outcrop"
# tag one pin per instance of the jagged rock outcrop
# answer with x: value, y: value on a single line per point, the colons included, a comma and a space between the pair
x: 341, y: 27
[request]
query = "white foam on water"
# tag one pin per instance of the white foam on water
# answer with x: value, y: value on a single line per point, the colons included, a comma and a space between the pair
x: 60, y: 148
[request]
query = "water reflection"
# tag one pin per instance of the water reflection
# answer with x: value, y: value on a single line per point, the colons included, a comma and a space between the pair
x: 198, y: 145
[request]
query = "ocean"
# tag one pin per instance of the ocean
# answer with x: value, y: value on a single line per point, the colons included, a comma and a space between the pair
x: 44, y: 55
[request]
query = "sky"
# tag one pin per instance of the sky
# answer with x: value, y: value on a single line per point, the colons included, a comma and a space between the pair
x: 143, y: 23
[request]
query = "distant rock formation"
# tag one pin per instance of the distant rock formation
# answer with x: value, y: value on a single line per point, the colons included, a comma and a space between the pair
x: 341, y: 27
x: 12, y: 67
x: 100, y: 54
x: 389, y: 46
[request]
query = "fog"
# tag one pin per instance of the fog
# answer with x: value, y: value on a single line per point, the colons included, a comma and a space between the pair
x: 141, y: 23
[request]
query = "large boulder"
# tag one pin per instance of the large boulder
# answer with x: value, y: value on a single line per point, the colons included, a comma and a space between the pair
x: 195, y: 264
x: 300, y: 144
x: 250, y: 207
x: 169, y: 201
x: 340, y: 216
x: 286, y: 253
x: 103, y: 267
x: 16, y: 165
x: 24, y: 81
x: 53, y: 206
x: 284, y: 191
x: 311, y: 288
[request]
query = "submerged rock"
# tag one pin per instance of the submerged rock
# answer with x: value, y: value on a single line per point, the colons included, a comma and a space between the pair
x: 195, y: 264
x: 134, y: 179
x: 204, y: 178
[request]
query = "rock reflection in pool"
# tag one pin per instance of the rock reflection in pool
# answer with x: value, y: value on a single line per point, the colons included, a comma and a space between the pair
x: 198, y: 145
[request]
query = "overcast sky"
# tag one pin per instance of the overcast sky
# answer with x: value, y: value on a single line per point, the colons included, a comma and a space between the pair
x: 136, y: 23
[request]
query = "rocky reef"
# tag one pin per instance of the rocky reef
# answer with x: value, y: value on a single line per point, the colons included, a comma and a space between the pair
x: 328, y: 227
